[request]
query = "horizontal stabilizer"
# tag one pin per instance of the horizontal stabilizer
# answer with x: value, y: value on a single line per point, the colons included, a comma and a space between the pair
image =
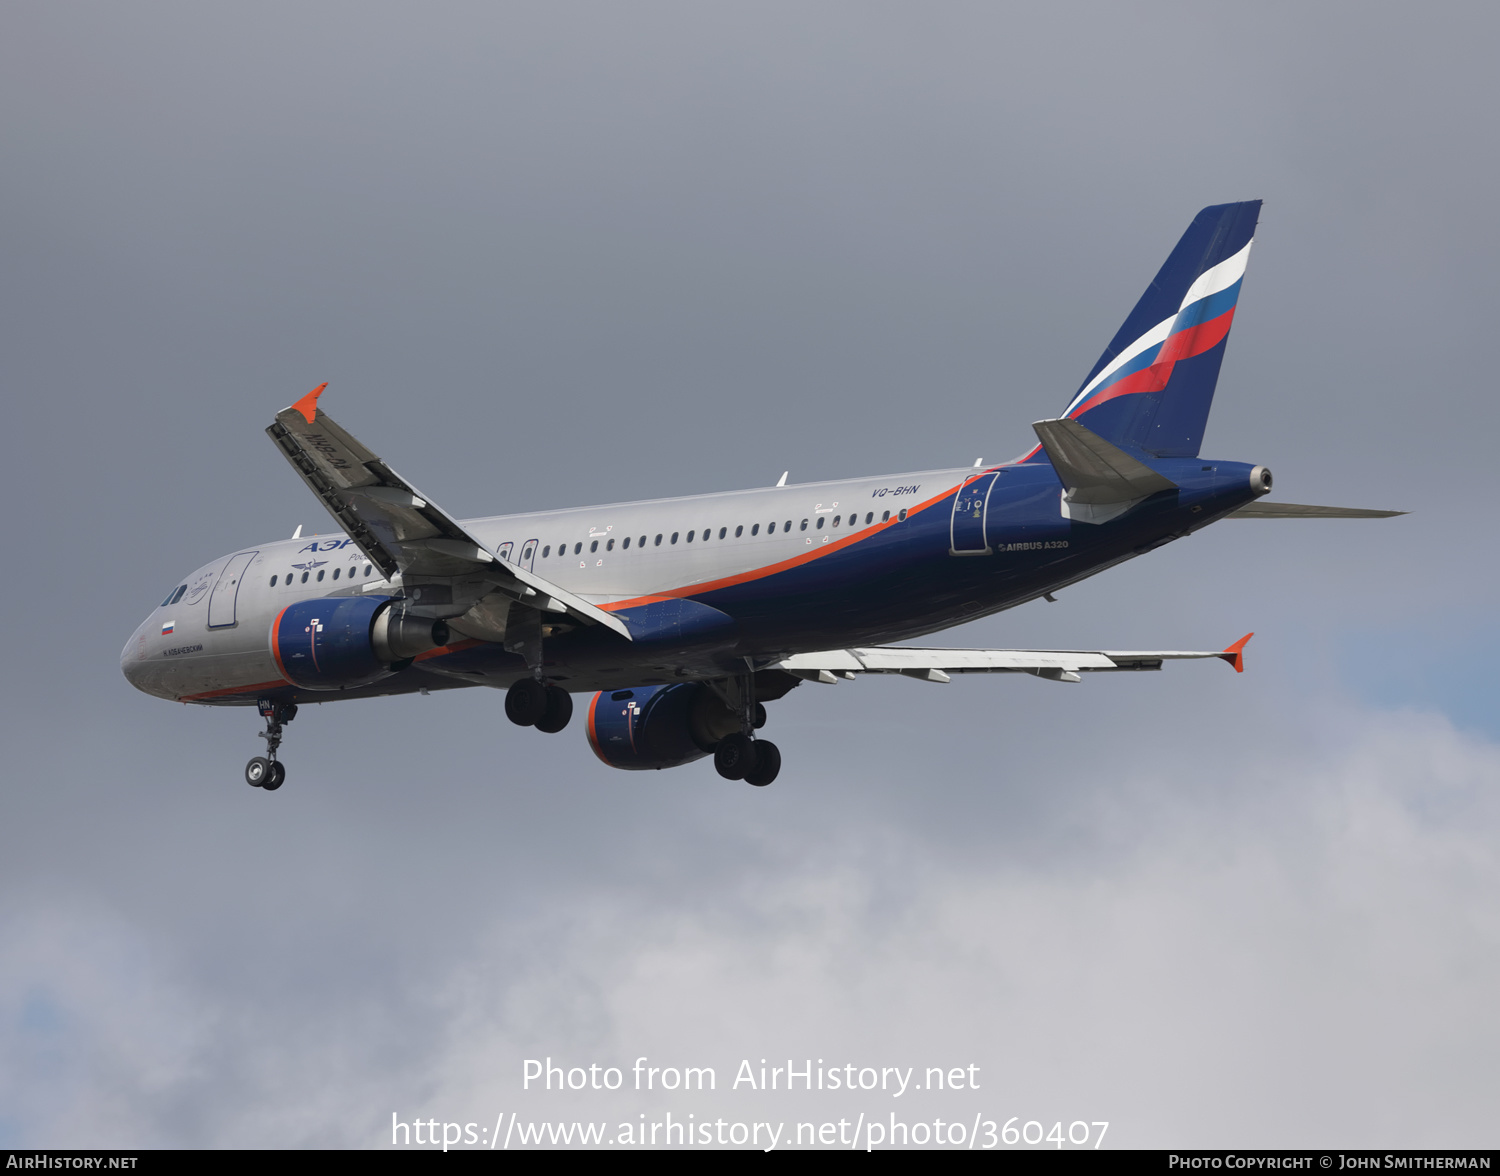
x: 1094, y: 471
x: 1291, y: 510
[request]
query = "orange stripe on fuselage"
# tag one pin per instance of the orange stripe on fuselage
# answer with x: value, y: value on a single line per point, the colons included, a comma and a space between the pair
x: 286, y: 681
x: 786, y: 564
x: 228, y: 690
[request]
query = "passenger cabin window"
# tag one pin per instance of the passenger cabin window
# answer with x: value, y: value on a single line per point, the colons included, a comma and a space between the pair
x: 787, y: 526
x: 610, y: 546
x: 642, y: 542
x: 624, y: 545
x: 320, y: 577
x: 336, y: 573
x: 901, y: 518
x: 690, y: 535
x: 273, y: 581
x: 367, y: 569
x: 674, y: 536
x: 577, y: 547
x: 304, y: 577
x: 820, y: 522
x: 755, y: 530
x: 594, y: 546
x: 546, y: 551
x: 658, y: 540
x: 837, y: 519
x: 886, y: 517
x: 804, y: 524
x: 770, y: 528
x: 869, y: 518
x: 723, y: 531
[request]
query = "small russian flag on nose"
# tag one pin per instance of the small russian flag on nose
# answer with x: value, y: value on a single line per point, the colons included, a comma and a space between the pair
x: 167, y: 628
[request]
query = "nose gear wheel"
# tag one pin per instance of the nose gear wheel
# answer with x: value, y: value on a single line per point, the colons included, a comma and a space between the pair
x: 267, y: 771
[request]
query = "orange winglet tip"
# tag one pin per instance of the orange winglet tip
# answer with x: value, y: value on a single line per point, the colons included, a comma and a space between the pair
x: 308, y: 405
x: 1235, y: 654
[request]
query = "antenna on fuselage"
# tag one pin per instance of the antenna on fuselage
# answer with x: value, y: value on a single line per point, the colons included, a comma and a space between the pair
x: 297, y: 534
x: 978, y: 461
x: 784, y: 473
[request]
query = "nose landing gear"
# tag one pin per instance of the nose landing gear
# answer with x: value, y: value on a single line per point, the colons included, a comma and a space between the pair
x: 267, y: 771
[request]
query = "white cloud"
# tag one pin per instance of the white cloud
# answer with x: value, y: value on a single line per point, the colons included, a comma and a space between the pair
x: 1307, y: 954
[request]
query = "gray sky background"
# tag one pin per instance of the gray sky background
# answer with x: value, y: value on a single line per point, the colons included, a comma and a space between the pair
x: 559, y: 254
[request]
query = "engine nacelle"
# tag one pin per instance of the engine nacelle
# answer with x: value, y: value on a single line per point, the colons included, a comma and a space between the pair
x: 657, y: 726
x: 340, y: 642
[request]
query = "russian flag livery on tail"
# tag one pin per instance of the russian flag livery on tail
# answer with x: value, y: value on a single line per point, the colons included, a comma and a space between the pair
x: 684, y: 617
x: 1153, y: 386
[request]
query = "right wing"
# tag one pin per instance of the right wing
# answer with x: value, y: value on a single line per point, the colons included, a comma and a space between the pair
x: 936, y: 665
x: 1261, y: 509
x: 404, y: 533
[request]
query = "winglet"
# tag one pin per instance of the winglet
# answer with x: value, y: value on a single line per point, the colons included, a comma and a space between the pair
x: 308, y: 405
x: 1235, y: 654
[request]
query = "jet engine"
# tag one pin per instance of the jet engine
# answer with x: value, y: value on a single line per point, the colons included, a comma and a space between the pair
x: 340, y: 642
x: 657, y: 726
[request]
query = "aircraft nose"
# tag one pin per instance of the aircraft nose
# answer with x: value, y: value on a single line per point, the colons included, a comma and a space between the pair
x: 133, y: 660
x: 130, y: 657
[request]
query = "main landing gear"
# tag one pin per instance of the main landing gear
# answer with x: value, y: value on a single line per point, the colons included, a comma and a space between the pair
x: 267, y: 771
x: 739, y: 755
x: 755, y: 761
x: 529, y: 703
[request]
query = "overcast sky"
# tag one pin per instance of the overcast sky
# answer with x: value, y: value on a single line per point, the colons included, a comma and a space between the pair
x: 551, y: 255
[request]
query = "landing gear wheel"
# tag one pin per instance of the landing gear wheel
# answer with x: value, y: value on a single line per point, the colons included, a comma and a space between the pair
x: 767, y: 764
x: 257, y: 772
x: 276, y: 778
x: 760, y: 715
x: 559, y: 711
x: 526, y: 703
x: 734, y: 756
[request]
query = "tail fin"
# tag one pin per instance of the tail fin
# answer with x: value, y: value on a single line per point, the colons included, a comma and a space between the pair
x: 1152, y: 388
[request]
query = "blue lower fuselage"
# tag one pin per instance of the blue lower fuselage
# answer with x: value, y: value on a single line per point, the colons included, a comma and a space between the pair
x: 705, y: 583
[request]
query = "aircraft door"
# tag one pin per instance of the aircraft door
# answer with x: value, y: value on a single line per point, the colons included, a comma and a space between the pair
x: 528, y: 553
x: 967, y: 527
x: 226, y: 591
x: 504, y: 550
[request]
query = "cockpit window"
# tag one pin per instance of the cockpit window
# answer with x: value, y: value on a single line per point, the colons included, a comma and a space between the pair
x: 174, y: 596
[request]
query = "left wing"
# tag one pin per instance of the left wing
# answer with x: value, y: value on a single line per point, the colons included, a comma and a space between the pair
x: 403, y: 533
x: 937, y: 665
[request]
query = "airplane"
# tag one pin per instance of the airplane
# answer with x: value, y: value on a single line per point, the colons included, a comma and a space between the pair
x: 685, y: 616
